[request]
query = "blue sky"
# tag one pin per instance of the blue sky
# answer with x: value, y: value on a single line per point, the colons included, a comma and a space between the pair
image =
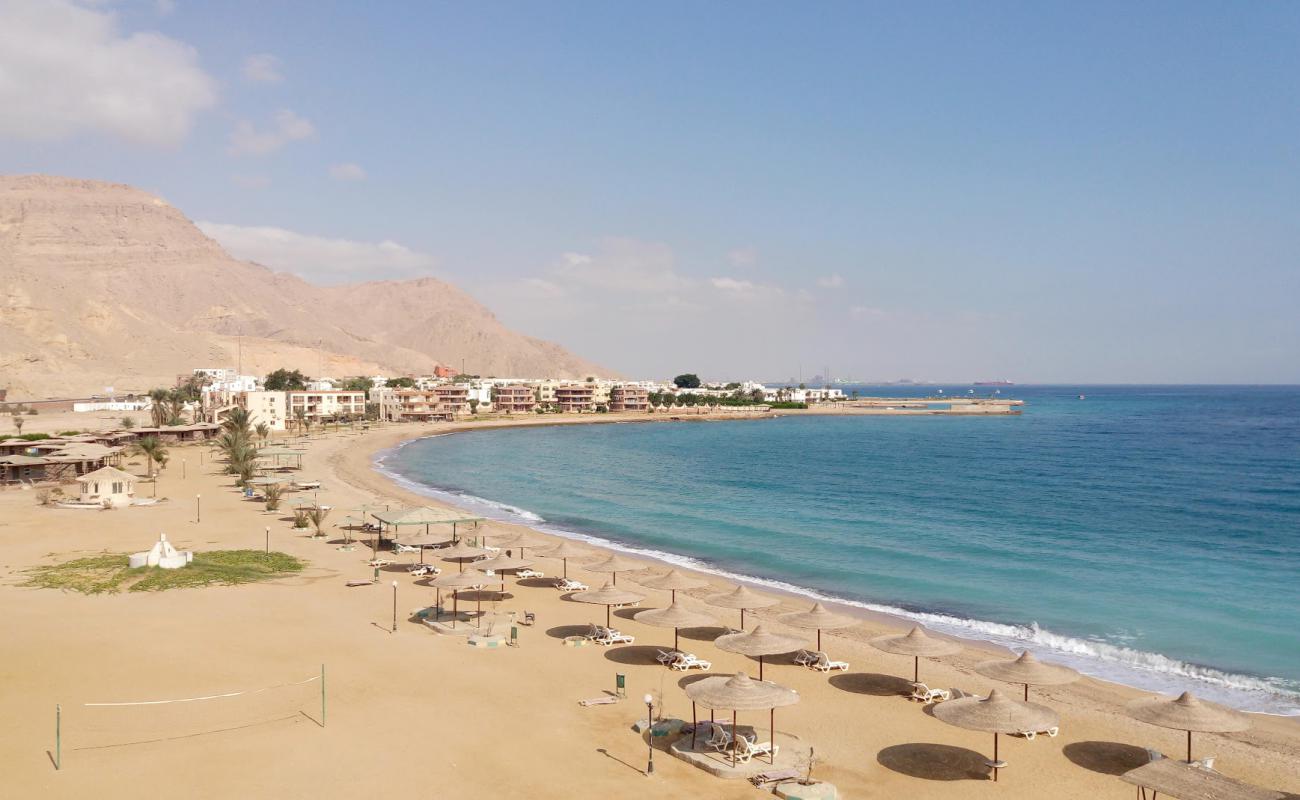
x: 1044, y: 192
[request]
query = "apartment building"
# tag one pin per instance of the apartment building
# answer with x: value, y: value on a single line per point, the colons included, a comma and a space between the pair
x: 515, y: 399
x: 629, y: 398
x: 269, y: 408
x: 576, y: 398
x: 318, y: 404
x: 441, y: 402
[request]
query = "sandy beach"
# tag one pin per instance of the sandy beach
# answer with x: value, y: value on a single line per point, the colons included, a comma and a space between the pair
x: 414, y: 714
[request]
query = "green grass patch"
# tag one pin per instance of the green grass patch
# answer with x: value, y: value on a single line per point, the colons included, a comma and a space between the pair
x: 108, y: 573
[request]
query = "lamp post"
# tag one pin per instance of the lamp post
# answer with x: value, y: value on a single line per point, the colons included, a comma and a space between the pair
x: 650, y: 734
x: 268, y: 539
x: 198, y: 508
x: 394, y: 606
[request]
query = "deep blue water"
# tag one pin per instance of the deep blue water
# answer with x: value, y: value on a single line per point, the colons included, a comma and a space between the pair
x: 1150, y: 535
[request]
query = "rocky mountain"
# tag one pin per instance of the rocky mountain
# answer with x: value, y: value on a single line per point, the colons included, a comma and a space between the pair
x: 106, y: 285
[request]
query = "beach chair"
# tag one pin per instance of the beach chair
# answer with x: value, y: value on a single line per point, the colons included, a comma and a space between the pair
x: 1050, y: 732
x: 1205, y: 763
x: 824, y: 664
x: 719, y: 738
x: 399, y: 548
x: 569, y: 585
x: 594, y: 632
x: 686, y: 661
x: 667, y: 656
x: 529, y: 618
x: 746, y: 749
x: 805, y: 657
x: 529, y: 573
x: 420, y: 570
x: 925, y: 694
x: 612, y: 636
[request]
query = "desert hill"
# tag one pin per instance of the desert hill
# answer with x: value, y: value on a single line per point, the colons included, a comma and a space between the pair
x: 106, y: 285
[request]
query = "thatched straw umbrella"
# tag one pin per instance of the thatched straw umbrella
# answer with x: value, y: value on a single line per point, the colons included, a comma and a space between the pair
x: 424, y: 540
x: 996, y: 714
x: 758, y: 643
x: 607, y: 595
x: 915, y: 643
x: 742, y: 597
x: 675, y: 616
x: 821, y: 619
x: 511, y: 540
x: 671, y: 581
x: 565, y: 550
x: 614, y: 565
x: 1188, y: 713
x: 455, y: 581
x: 460, y: 553
x: 502, y: 562
x: 1027, y: 670
x: 740, y: 693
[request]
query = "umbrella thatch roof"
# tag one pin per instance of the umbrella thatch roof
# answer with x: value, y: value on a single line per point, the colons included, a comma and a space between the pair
x: 915, y: 643
x: 818, y: 617
x: 1188, y: 713
x: 1175, y: 778
x: 460, y: 550
x: 672, y: 580
x: 509, y: 539
x: 425, y: 540
x: 469, y: 579
x: 565, y: 549
x: 996, y: 713
x: 674, y: 616
x: 503, y: 561
x: 758, y: 642
x: 423, y: 515
x: 265, y: 481
x: 614, y: 563
x: 1027, y: 669
x: 739, y: 692
x: 607, y: 595
x: 350, y: 522
x: 741, y: 597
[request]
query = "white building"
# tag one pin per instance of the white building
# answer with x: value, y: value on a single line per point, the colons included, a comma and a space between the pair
x: 108, y: 486
x: 318, y: 404
x: 267, y: 408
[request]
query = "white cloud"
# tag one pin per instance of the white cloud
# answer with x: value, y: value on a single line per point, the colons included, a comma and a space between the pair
x: 67, y: 69
x: 250, y: 181
x: 262, y: 68
x: 347, y: 172
x: 319, y: 258
x: 742, y: 257
x: 830, y: 281
x: 247, y: 140
x: 623, y: 265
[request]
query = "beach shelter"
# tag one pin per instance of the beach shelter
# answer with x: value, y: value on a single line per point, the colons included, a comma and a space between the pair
x: 1027, y: 670
x: 740, y: 693
x: 455, y: 582
x: 511, y: 541
x: 349, y: 524
x: 424, y: 540
x: 675, y: 616
x: 460, y: 553
x: 916, y: 644
x: 758, y: 643
x: 818, y: 618
x: 996, y: 714
x: 614, y: 564
x: 743, y: 598
x: 671, y: 581
x: 266, y: 480
x: 607, y: 595
x: 502, y: 562
x: 425, y: 516
x: 565, y: 550
x: 1187, y: 713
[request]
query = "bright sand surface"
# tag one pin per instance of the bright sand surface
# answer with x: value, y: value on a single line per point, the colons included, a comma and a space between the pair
x: 414, y: 714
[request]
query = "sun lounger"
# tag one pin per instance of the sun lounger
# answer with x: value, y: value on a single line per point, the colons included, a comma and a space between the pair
x: 598, y: 701
x: 805, y: 657
x: 567, y: 585
x: 773, y: 776
x: 529, y: 618
x: 378, y: 562
x: 420, y: 570
x: 1051, y: 732
x: 925, y: 694
x: 529, y: 573
x: 719, y: 738
x: 611, y: 636
x: 1205, y: 763
x: 747, y: 749
x: 667, y: 656
x: 686, y: 661
x: 824, y: 664
x: 398, y: 547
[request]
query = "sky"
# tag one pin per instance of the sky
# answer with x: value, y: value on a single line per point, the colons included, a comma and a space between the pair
x: 1040, y: 192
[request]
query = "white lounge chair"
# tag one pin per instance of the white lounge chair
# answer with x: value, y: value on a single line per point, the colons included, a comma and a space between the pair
x: 719, y: 738
x: 667, y: 656
x: 824, y: 664
x: 925, y: 694
x: 805, y: 657
x: 569, y: 585
x: 529, y: 573
x: 685, y: 661
x: 398, y: 547
x: 611, y: 636
x: 747, y: 749
x: 420, y: 570
x: 1051, y: 732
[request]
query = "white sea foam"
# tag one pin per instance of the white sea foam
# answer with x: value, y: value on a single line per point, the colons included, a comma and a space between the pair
x: 1099, y: 659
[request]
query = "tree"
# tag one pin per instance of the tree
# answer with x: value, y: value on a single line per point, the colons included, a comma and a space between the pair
x: 18, y: 423
x: 158, y: 406
x: 151, y: 447
x: 358, y: 384
x: 283, y: 380
x: 175, y: 407
x: 404, y: 382
x: 128, y: 423
x: 263, y: 433
x: 272, y: 493
x: 688, y: 380
x: 317, y: 516
x: 473, y: 405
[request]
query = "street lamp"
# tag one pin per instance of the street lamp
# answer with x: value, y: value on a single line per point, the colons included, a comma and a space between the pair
x: 650, y: 733
x: 394, y: 606
x: 198, y: 508
x: 268, y: 538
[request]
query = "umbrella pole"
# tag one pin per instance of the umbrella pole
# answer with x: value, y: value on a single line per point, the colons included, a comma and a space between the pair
x: 566, y: 568
x: 995, y: 756
x: 760, y: 668
x: 742, y: 619
x: 455, y: 606
x: 606, y: 616
x: 734, y: 734
x: 1189, y: 747
x: 675, y: 647
x: 916, y: 669
x: 694, y: 724
x: 819, y: 640
x: 771, y: 723
x: 1026, y: 693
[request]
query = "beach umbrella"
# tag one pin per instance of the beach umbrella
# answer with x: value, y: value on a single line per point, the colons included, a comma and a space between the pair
x: 915, y: 643
x: 460, y: 553
x: 1188, y: 713
x: 996, y: 714
x: 265, y: 481
x: 740, y: 693
x: 758, y: 643
x: 671, y: 581
x: 565, y: 550
x: 424, y: 540
x: 819, y: 618
x: 742, y: 597
x: 614, y: 564
x: 511, y: 540
x: 675, y: 616
x: 607, y: 595
x: 1027, y: 670
x: 455, y: 581
x: 347, y: 524
x: 502, y: 562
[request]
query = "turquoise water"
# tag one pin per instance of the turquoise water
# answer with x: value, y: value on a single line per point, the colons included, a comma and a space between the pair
x: 1149, y: 535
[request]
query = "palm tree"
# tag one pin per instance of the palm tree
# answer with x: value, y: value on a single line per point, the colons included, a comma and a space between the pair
x: 128, y: 423
x: 238, y: 421
x: 151, y: 447
x: 317, y: 516
x: 263, y: 431
x: 157, y: 407
x: 175, y: 407
x: 272, y: 494
x: 18, y: 423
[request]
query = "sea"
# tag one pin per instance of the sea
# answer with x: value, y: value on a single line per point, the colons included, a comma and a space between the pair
x: 1147, y: 535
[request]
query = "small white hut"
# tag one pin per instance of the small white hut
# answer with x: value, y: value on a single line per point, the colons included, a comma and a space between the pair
x: 107, y: 486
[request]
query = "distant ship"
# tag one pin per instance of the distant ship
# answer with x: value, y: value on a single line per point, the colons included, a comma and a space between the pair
x: 994, y: 383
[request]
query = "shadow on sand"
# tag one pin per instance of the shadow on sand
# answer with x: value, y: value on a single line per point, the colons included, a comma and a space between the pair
x: 872, y: 683
x: 633, y: 654
x: 934, y: 762
x: 1108, y: 758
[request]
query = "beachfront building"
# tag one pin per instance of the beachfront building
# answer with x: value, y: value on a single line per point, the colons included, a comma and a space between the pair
x: 629, y: 398
x: 514, y: 399
x: 325, y: 404
x: 576, y: 398
x: 108, y: 486
x: 441, y: 402
x: 264, y: 408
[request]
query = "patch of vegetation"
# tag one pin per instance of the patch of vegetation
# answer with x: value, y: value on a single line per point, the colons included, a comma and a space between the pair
x: 786, y: 404
x: 108, y: 573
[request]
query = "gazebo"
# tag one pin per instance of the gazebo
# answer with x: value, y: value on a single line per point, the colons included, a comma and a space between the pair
x: 424, y: 516
x: 107, y: 486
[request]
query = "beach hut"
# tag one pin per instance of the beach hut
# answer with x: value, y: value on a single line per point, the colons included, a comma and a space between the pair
x: 607, y: 596
x: 1027, y: 670
x: 675, y: 616
x: 615, y: 564
x: 1187, y: 713
x: 743, y: 598
x: 996, y: 714
x: 916, y: 644
x: 671, y: 581
x: 758, y: 643
x: 740, y: 693
x: 107, y: 486
x: 565, y: 550
x: 455, y: 582
x: 460, y: 553
x: 820, y: 619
